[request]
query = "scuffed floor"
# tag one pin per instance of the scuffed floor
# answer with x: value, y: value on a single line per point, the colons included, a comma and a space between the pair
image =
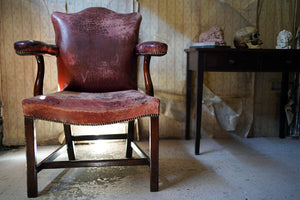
x: 229, y: 168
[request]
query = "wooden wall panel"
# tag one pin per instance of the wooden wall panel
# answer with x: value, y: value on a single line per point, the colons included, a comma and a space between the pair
x: 8, y: 71
x: 228, y: 15
x: 275, y: 16
x: 21, y: 20
x: 1, y: 60
x: 181, y: 22
x: 30, y: 19
x: 235, y: 89
x: 176, y: 22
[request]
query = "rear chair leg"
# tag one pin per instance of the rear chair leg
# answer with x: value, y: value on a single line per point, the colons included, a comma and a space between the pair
x: 30, y: 137
x: 154, y: 149
x: 69, y: 142
x: 129, y: 139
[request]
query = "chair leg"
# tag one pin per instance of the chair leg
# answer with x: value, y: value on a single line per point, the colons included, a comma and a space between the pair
x: 69, y: 142
x: 154, y: 149
x: 31, y: 145
x: 129, y: 139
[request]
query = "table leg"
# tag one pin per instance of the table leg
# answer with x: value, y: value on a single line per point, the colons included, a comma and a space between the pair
x: 283, y: 102
x: 188, y: 103
x: 200, y: 74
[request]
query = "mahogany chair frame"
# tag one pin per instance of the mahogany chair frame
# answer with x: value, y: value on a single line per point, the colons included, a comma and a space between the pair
x: 38, y: 49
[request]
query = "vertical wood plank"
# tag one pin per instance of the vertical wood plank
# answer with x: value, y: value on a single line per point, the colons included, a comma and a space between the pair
x: 9, y: 71
x: 180, y: 64
x: 153, y: 31
x: 18, y: 69
x: 162, y: 35
x: 1, y: 53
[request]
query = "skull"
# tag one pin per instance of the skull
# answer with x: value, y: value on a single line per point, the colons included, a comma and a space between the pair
x: 247, y: 37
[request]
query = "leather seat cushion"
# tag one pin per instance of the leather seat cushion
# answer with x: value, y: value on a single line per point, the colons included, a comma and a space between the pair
x: 91, y: 108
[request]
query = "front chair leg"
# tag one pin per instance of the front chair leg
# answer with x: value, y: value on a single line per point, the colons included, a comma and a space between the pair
x: 154, y: 148
x: 30, y: 137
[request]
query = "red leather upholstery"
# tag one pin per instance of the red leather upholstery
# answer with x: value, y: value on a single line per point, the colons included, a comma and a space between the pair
x: 91, y: 108
x: 96, y: 50
x: 151, y: 48
x: 96, y: 54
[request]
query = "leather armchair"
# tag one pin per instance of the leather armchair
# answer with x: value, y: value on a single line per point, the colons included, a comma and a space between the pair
x: 96, y: 52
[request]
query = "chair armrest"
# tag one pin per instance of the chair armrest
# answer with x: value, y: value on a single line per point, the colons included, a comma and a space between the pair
x: 37, y: 49
x: 148, y: 49
x: 31, y: 47
x: 151, y: 48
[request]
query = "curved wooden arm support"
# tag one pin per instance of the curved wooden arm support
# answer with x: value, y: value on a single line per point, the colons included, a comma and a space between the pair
x: 151, y: 48
x: 38, y: 49
x: 148, y: 49
x: 147, y: 77
x: 31, y: 47
x: 39, y: 81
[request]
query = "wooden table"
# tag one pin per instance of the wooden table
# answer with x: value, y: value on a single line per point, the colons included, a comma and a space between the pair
x: 203, y: 60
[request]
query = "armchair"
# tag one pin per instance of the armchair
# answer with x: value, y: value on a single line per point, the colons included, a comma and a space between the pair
x: 96, y: 52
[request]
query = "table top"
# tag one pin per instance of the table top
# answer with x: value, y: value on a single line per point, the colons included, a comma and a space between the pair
x: 244, y: 60
x: 240, y: 50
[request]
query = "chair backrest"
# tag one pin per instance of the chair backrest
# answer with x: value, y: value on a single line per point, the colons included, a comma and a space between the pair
x: 96, y: 50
